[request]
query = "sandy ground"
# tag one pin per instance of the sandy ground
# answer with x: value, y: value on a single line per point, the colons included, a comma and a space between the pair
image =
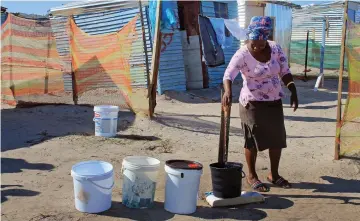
x: 40, y: 144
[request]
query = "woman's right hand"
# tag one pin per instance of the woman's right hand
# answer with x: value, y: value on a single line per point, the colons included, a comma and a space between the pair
x: 226, y: 99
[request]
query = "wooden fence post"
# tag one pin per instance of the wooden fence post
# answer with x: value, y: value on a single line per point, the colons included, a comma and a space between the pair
x: 341, y: 71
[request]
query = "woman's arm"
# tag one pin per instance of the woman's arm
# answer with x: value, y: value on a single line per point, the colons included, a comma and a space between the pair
x: 287, y: 77
x: 226, y: 100
x: 231, y: 72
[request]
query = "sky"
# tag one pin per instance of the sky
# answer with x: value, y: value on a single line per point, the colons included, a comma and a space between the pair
x: 42, y: 7
x: 31, y: 7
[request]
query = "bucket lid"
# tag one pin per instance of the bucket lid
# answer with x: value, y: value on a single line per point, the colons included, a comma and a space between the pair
x: 184, y: 164
x: 93, y: 170
x: 106, y: 108
x: 141, y: 163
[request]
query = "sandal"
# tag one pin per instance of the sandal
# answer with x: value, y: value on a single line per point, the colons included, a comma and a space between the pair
x: 257, y: 186
x: 280, y: 182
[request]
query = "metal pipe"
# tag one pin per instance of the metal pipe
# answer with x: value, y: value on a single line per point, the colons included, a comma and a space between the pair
x: 306, y: 54
x: 320, y: 79
x: 322, y: 52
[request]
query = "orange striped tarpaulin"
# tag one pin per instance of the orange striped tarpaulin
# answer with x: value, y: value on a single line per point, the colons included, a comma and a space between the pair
x: 30, y: 63
x: 100, y: 61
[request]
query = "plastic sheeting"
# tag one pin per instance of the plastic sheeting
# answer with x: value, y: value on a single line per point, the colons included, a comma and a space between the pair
x: 168, y: 22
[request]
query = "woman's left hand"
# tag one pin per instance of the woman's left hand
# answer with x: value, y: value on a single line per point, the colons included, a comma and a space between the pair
x: 289, y: 82
x: 294, y: 101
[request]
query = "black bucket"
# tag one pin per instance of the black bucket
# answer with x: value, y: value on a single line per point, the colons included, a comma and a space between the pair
x: 226, y: 179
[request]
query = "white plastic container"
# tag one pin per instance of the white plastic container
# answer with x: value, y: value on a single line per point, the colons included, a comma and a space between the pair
x: 105, y: 118
x: 139, y: 181
x: 93, y: 184
x: 182, y: 186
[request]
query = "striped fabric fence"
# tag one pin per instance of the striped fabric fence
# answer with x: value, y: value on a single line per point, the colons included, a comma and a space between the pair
x: 30, y: 63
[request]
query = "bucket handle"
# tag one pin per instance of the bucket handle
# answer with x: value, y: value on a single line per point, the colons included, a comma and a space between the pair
x: 102, y: 187
x: 243, y: 174
x: 176, y: 174
x: 94, y: 119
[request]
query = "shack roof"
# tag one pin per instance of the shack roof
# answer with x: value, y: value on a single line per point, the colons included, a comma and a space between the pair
x: 94, y: 6
x: 284, y: 3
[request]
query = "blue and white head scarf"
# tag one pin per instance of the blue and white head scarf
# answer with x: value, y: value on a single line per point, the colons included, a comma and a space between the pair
x: 259, y: 28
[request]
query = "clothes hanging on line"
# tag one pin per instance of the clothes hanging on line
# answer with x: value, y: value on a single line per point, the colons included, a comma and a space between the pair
x: 213, y: 54
x: 234, y: 28
x: 219, y: 27
x: 228, y: 42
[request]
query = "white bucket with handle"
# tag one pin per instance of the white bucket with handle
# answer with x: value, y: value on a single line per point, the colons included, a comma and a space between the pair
x: 106, y: 118
x: 93, y: 184
x: 139, y: 181
x: 182, y: 186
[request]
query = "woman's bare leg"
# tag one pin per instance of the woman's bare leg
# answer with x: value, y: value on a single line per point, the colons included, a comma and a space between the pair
x: 252, y: 177
x: 274, y: 176
x: 274, y: 155
x: 251, y: 155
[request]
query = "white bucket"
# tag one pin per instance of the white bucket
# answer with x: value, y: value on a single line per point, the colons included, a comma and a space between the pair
x: 182, y: 187
x: 139, y: 181
x: 93, y: 184
x: 105, y: 118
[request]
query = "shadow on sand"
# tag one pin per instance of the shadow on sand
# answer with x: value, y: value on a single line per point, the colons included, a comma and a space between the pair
x: 9, y: 165
x: 158, y: 213
x: 25, y: 127
x: 335, y: 185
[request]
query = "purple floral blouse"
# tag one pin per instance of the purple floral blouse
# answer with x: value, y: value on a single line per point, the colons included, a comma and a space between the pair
x: 261, y: 81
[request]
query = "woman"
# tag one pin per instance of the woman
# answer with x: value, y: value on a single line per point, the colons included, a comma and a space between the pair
x: 262, y: 64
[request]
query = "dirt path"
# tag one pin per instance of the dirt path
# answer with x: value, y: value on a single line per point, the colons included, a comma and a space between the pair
x: 39, y: 146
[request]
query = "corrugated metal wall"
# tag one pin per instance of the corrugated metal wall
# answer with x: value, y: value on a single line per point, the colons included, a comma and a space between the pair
x: 171, y: 69
x: 354, y: 11
x: 59, y: 27
x: 241, y: 7
x: 216, y: 74
x: 102, y: 23
x: 3, y: 17
x: 283, y: 25
x: 357, y: 15
x: 309, y: 18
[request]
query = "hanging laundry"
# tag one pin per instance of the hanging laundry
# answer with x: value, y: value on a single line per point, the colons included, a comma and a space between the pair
x: 168, y: 23
x: 235, y: 29
x: 212, y: 51
x: 219, y: 28
x: 228, y: 42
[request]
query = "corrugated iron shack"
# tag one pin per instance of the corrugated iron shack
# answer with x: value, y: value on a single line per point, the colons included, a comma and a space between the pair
x: 310, y: 18
x: 181, y: 65
x: 3, y: 14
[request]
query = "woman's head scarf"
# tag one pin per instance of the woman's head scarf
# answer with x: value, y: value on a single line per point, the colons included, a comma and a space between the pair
x: 259, y: 28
